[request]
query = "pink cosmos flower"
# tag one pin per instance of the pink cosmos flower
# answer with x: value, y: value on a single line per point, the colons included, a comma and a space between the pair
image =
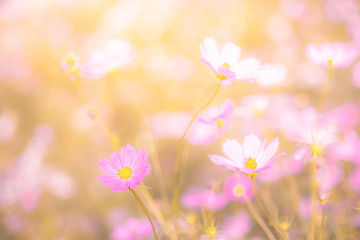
x: 305, y: 207
x: 356, y: 75
x: 236, y: 227
x: 132, y: 229
x: 71, y: 64
x: 197, y: 197
x: 329, y: 176
x: 250, y: 157
x: 116, y: 54
x: 238, y: 187
x: 296, y: 163
x: 225, y: 62
x: 354, y: 180
x: 343, y: 117
x: 332, y: 55
x: 212, y: 125
x: 347, y: 148
x: 126, y: 169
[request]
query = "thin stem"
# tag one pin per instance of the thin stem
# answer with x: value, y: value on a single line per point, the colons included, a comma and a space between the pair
x: 113, y: 140
x: 178, y: 151
x: 313, y: 216
x: 325, y: 92
x: 147, y: 214
x: 259, y: 220
x: 322, y: 222
x: 264, y: 211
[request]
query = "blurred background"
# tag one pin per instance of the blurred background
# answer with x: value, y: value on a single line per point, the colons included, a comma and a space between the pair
x: 50, y: 146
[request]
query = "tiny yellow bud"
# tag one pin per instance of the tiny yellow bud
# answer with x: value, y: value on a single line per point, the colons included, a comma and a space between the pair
x: 220, y: 123
x: 330, y: 64
x: 191, y: 219
x: 226, y: 65
x: 73, y: 70
x: 211, y: 231
x: 316, y: 149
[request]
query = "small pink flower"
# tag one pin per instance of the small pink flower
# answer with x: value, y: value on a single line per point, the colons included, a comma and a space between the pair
x: 251, y: 157
x: 305, y: 207
x: 212, y: 125
x: 126, y: 169
x: 332, y: 55
x: 296, y: 163
x: 196, y: 198
x: 343, y: 117
x: 238, y: 187
x: 329, y: 176
x: 236, y: 227
x: 132, y: 229
x: 356, y: 75
x: 354, y: 180
x: 225, y: 62
x: 115, y: 55
x: 347, y: 148
x: 71, y: 64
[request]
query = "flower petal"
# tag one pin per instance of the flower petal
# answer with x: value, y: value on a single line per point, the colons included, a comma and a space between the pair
x: 109, y: 179
x: 106, y: 166
x: 270, y: 151
x: 230, y: 53
x: 127, y: 155
x: 251, y: 146
x: 234, y: 151
x: 224, y: 162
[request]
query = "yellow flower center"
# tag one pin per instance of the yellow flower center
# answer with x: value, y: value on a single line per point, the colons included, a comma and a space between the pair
x: 226, y: 65
x: 191, y: 219
x: 316, y: 149
x: 221, y: 76
x: 70, y: 59
x: 73, y: 70
x: 284, y: 225
x: 238, y: 191
x: 251, y: 163
x: 125, y: 173
x: 330, y: 63
x: 113, y: 70
x: 220, y: 123
x: 211, y: 231
x: 258, y: 112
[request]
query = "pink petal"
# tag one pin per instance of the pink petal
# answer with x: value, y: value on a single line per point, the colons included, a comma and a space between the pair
x: 230, y: 52
x: 127, y: 155
x: 109, y: 179
x: 269, y: 151
x: 251, y: 146
x: 224, y: 162
x: 120, y: 186
x: 233, y: 150
x: 107, y: 166
x: 116, y: 160
x: 139, y: 159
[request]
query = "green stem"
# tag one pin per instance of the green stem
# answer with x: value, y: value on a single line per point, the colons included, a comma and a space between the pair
x: 313, y: 216
x: 259, y: 220
x: 113, y: 139
x: 147, y: 214
x: 178, y: 151
x: 322, y: 222
x: 264, y: 211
